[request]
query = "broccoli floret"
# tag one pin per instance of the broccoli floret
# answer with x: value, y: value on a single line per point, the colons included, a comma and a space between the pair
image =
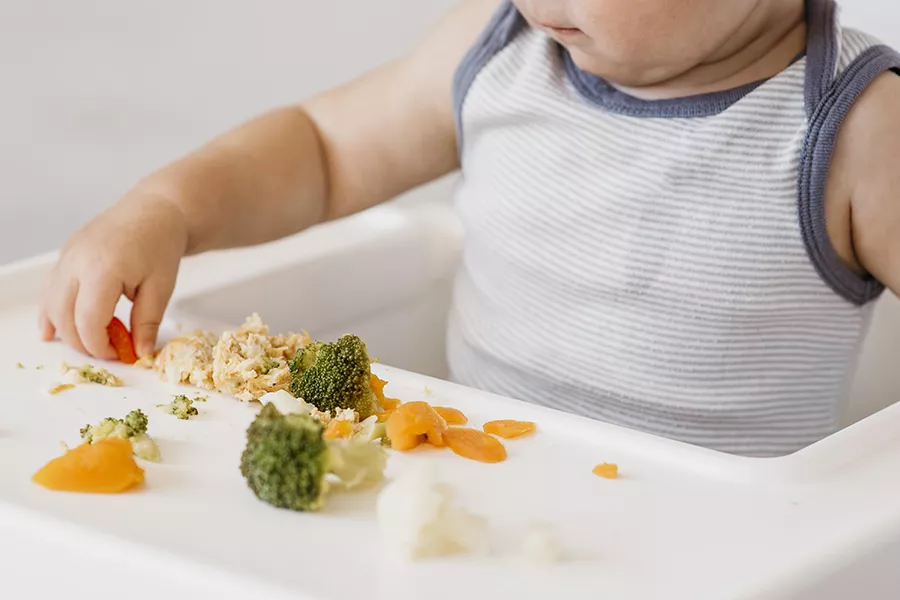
x: 132, y: 428
x: 181, y: 407
x: 286, y: 461
x: 137, y: 421
x: 335, y: 376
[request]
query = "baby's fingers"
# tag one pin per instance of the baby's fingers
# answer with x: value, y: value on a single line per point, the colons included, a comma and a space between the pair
x: 60, y: 303
x: 147, y: 313
x: 45, y: 326
x: 94, y: 307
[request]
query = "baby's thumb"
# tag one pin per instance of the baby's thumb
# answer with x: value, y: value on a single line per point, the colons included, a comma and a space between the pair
x: 147, y: 313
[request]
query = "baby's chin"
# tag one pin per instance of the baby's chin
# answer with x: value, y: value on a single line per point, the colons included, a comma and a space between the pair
x: 635, y: 73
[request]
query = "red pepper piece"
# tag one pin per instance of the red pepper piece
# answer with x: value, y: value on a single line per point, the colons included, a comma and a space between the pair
x: 121, y: 340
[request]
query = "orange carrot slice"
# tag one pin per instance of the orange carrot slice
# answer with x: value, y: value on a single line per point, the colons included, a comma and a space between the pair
x: 121, y: 340
x: 475, y: 445
x: 415, y: 423
x: 510, y: 429
x: 377, y: 384
x: 607, y: 471
x: 390, y: 403
x: 104, y: 467
x: 337, y: 430
x: 451, y: 415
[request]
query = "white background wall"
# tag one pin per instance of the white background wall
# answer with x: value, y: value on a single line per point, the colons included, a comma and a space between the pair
x: 95, y: 93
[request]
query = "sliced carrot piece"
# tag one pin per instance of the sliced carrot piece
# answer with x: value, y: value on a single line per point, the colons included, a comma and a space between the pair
x: 338, y: 429
x: 414, y: 423
x: 104, y: 467
x: 390, y: 403
x: 510, y: 429
x: 475, y: 445
x: 377, y: 384
x: 451, y: 415
x: 383, y: 417
x: 121, y: 340
x: 607, y: 471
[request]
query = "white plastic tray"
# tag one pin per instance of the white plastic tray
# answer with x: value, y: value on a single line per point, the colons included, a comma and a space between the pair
x: 682, y: 522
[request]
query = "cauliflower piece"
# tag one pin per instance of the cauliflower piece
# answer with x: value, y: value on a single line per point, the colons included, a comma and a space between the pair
x: 249, y: 363
x: 188, y: 359
x: 286, y: 404
x: 540, y: 545
x: 417, y: 516
x: 89, y: 374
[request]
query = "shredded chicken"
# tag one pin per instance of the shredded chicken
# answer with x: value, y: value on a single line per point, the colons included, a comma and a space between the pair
x: 188, y: 359
x: 246, y: 363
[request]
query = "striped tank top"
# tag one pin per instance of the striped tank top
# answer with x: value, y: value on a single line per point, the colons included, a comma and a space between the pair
x: 662, y: 265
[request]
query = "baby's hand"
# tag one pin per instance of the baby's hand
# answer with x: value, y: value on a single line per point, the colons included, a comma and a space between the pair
x: 132, y: 249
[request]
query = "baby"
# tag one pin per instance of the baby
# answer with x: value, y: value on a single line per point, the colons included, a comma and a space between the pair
x: 678, y: 212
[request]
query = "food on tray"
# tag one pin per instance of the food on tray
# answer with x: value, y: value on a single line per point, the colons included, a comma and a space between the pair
x: 246, y: 363
x: 338, y: 430
x: 510, y: 429
x: 607, y: 471
x: 539, y: 544
x: 20, y: 366
x: 104, y: 467
x: 89, y: 374
x: 249, y: 362
x: 344, y: 424
x: 413, y: 424
x: 61, y: 387
x: 187, y: 359
x: 121, y: 340
x: 181, y: 407
x: 335, y: 376
x: 452, y: 416
x: 475, y: 445
x: 288, y: 463
x: 286, y: 403
x: 417, y: 516
x: 133, y: 429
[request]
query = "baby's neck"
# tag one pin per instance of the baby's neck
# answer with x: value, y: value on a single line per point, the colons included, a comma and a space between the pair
x: 766, y: 43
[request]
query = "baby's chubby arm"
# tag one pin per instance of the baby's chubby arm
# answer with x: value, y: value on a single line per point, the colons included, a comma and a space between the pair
x: 865, y: 171
x: 341, y: 152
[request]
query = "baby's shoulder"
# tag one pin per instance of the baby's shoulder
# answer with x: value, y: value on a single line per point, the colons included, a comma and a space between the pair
x: 865, y: 160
